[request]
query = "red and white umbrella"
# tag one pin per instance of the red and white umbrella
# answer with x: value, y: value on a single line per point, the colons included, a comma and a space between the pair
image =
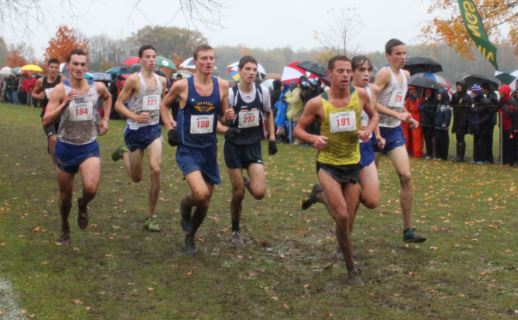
x: 131, y: 61
x: 292, y: 73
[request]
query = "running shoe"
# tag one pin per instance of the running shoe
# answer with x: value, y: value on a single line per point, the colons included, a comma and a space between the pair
x: 151, y: 225
x: 409, y: 235
x: 190, y: 247
x: 82, y: 215
x: 354, y: 278
x: 312, y: 197
x: 117, y: 153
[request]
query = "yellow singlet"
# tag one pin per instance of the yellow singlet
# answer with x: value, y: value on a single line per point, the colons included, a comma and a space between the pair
x: 340, y: 126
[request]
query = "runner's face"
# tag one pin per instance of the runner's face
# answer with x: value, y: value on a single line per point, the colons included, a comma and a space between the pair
x: 77, y: 67
x: 148, y: 60
x: 341, y: 74
x: 397, y: 57
x: 205, y: 62
x: 53, y: 69
x: 248, y: 73
x: 362, y: 75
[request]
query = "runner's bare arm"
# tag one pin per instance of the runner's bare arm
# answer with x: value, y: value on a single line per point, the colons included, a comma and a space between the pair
x: 57, y: 103
x: 312, y: 113
x: 107, y: 106
x: 227, y: 114
x: 174, y: 93
x: 365, y: 133
x: 375, y: 93
x: 38, y: 92
x: 130, y: 86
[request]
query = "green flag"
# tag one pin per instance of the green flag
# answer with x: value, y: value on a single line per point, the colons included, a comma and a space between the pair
x: 476, y: 30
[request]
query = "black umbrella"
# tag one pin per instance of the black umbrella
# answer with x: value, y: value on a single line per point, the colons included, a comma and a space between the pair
x: 313, y: 67
x: 505, y: 77
x: 422, y: 64
x: 471, y: 79
x: 421, y: 81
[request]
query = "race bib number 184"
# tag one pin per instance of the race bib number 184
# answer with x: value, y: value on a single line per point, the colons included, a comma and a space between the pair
x: 81, y: 111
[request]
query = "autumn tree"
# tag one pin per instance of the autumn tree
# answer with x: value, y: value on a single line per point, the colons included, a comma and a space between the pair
x: 448, y: 26
x: 66, y: 40
x: 15, y: 59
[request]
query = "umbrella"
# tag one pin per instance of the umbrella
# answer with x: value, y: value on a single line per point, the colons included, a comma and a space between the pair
x: 268, y: 83
x: 131, y: 60
x: 422, y: 64
x: 188, y: 64
x: 233, y: 70
x: 117, y: 70
x: 5, y: 72
x: 291, y: 73
x: 32, y: 68
x: 16, y: 70
x: 134, y: 68
x: 102, y: 76
x: 313, y: 67
x: 471, y: 79
x: 505, y: 77
x: 428, y: 80
x: 165, y: 63
x: 88, y: 75
x: 183, y: 73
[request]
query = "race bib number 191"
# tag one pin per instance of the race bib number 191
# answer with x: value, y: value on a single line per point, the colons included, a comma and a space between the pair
x: 202, y: 124
x: 151, y: 103
x: 81, y: 111
x: 342, y: 121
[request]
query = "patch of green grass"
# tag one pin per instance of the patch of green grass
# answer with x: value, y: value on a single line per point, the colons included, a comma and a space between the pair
x: 287, y: 269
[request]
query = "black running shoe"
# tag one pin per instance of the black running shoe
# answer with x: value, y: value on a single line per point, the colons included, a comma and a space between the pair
x: 409, y: 235
x: 312, y: 197
x: 190, y: 247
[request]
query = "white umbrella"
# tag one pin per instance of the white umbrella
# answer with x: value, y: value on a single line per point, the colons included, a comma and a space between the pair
x: 6, y: 72
x: 188, y: 64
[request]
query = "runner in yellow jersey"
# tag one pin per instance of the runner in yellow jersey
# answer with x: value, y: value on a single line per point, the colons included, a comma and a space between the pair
x: 339, y: 111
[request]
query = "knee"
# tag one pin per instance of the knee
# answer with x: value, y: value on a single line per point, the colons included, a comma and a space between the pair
x: 202, y: 198
x: 259, y: 195
x: 370, y: 203
x: 155, y: 170
x: 136, y: 177
x: 238, y: 193
x: 405, y: 179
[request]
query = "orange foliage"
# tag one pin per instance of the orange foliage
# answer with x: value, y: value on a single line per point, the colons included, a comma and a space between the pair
x: 15, y: 59
x: 65, y: 41
x: 448, y: 26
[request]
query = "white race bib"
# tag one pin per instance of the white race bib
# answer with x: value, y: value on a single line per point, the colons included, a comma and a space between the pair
x: 202, y: 124
x: 151, y: 102
x: 342, y: 121
x: 248, y: 118
x: 397, y: 99
x: 81, y: 111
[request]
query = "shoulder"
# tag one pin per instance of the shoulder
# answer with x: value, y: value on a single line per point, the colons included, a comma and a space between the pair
x: 223, y: 84
x: 382, y: 78
x: 314, y: 104
x: 406, y: 73
x: 100, y: 87
x: 179, y: 85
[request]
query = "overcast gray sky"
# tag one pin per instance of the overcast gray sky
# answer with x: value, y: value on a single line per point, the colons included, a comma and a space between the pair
x: 265, y: 23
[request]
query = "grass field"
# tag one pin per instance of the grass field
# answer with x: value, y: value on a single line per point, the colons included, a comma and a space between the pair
x: 287, y: 270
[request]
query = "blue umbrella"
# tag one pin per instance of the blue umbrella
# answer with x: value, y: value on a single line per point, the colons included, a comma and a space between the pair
x: 117, y: 70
